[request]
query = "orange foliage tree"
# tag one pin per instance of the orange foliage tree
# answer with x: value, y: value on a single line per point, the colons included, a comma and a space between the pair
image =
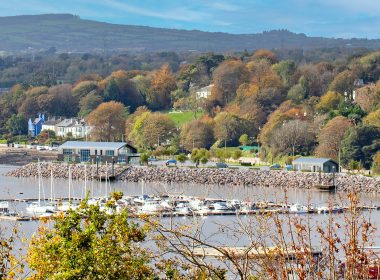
x: 163, y: 82
x: 108, y: 121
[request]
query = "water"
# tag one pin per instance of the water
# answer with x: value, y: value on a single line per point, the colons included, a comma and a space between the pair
x: 213, y: 227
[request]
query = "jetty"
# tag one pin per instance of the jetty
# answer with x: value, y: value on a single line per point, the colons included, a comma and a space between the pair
x: 252, y: 253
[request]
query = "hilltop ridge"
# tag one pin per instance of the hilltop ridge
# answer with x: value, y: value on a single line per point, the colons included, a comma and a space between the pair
x: 70, y: 33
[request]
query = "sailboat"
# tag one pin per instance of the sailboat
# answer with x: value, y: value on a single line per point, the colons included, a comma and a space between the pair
x: 36, y: 207
x: 67, y: 205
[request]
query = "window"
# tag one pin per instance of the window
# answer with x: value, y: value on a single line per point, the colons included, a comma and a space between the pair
x: 68, y: 151
x: 110, y: 153
x: 121, y: 160
x: 84, y: 155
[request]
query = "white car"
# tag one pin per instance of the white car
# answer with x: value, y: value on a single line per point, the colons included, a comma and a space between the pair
x: 40, y: 148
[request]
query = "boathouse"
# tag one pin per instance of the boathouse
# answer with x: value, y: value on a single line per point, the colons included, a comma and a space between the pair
x: 312, y: 164
x: 98, y: 152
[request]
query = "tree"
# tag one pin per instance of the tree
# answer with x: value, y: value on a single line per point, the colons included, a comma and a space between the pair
x: 293, y: 137
x: 144, y: 158
x: 84, y: 88
x: 197, y: 134
x: 17, y: 124
x: 296, y: 93
x: 373, y: 118
x: 331, y: 136
x: 236, y: 154
x: 229, y: 127
x: 162, y: 84
x: 200, y: 156
x: 89, y: 103
x: 265, y: 54
x: 244, y: 139
x: 108, y: 121
x: 343, y: 82
x: 102, y: 245
x: 112, y: 92
x: 285, y: 69
x: 227, y: 77
x: 329, y: 101
x: 182, y: 158
x: 157, y: 129
x: 57, y: 96
x: 360, y: 144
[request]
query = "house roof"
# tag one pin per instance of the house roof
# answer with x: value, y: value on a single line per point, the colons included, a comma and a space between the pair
x: 93, y: 145
x: 312, y: 160
x: 52, y: 121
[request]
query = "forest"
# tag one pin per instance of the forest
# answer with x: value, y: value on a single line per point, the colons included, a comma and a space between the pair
x: 323, y: 102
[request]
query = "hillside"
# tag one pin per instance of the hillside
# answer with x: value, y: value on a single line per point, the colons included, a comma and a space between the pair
x: 69, y: 33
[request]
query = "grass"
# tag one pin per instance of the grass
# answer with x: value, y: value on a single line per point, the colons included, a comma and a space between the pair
x: 181, y: 118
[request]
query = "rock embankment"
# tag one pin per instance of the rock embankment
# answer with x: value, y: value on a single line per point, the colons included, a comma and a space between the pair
x: 249, y: 177
x: 61, y: 170
x: 204, y: 176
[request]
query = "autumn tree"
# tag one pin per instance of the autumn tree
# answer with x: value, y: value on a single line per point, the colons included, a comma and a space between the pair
x: 331, y: 136
x: 265, y: 54
x: 108, y: 121
x: 227, y: 77
x: 343, y: 82
x: 373, y: 118
x: 59, y: 101
x: 197, y: 134
x: 329, y: 101
x: 162, y: 84
x: 229, y: 127
x: 293, y: 137
x: 84, y: 88
x: 368, y: 97
x: 157, y: 129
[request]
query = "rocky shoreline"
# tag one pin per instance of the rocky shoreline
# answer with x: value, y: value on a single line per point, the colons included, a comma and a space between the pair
x: 61, y: 170
x: 204, y: 176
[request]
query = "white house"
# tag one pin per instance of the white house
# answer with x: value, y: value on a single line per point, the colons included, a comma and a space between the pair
x: 204, y: 92
x: 62, y: 127
x: 76, y: 127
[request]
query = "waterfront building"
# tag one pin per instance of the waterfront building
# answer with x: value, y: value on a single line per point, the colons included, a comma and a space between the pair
x: 35, y: 127
x: 312, y: 164
x: 101, y: 152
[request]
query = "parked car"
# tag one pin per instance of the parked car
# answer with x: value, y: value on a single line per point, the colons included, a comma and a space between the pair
x: 41, y: 148
x: 17, y: 146
x: 275, y: 166
x: 152, y: 159
x: 170, y: 161
x: 221, y: 165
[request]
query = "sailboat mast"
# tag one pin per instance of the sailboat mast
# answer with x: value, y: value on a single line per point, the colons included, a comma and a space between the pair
x: 85, y: 180
x: 39, y: 183
x: 69, y: 183
x: 51, y: 184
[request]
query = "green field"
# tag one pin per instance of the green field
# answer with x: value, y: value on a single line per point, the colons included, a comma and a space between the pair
x: 183, y: 117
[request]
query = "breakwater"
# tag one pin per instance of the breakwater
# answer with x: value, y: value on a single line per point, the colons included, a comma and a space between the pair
x: 203, y: 176
x: 251, y: 177
x: 61, y: 170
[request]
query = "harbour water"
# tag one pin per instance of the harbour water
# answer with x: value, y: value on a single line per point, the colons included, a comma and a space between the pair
x: 26, y: 188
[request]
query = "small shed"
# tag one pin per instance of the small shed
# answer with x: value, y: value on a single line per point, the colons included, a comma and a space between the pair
x: 312, y: 164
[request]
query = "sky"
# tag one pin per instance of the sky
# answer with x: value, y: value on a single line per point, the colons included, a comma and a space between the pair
x: 326, y: 18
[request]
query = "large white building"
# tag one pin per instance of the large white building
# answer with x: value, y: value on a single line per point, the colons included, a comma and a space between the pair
x: 73, y: 127
x: 204, y: 92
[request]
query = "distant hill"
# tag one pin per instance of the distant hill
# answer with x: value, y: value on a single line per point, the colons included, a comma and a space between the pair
x: 69, y: 33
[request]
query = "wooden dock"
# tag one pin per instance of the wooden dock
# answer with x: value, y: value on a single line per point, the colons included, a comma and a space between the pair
x: 251, y: 253
x: 15, y: 218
